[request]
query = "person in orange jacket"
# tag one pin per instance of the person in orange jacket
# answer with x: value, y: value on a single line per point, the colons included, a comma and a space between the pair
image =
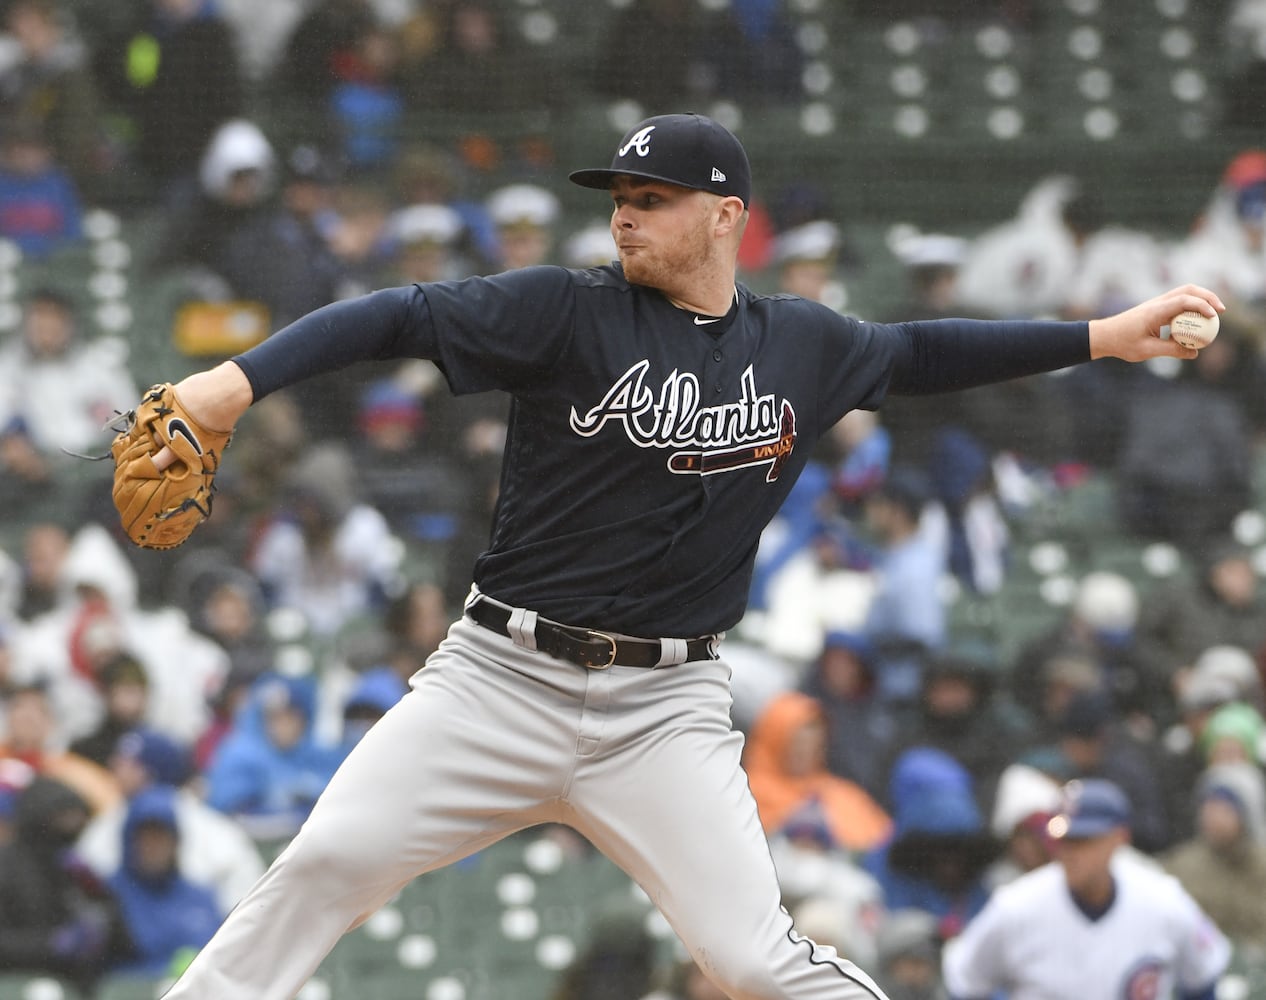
x: 785, y: 760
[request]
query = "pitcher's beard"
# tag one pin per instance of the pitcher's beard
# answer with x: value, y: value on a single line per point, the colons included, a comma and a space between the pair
x: 668, y: 271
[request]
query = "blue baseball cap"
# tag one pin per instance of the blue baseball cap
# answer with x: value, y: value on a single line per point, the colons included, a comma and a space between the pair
x: 1092, y: 807
x: 689, y: 150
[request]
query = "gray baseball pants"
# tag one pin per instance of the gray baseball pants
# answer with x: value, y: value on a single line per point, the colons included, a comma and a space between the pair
x: 494, y: 738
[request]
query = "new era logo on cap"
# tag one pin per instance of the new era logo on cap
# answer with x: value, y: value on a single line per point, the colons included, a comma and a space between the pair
x: 689, y: 150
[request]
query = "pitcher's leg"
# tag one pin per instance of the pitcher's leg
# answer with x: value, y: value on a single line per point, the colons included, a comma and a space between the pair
x: 672, y: 807
x: 474, y: 752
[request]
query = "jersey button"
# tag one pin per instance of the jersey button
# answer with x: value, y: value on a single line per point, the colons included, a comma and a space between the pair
x: 716, y: 355
x: 717, y: 389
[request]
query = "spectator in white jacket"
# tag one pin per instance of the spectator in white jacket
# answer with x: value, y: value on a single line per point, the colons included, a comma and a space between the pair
x: 97, y: 616
x: 48, y: 359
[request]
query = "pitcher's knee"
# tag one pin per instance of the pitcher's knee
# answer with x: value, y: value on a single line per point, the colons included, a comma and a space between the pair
x: 743, y: 974
x: 318, y: 855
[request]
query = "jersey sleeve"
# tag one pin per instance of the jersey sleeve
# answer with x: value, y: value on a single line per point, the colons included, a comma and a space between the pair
x: 484, y: 333
x: 857, y: 364
x: 1203, y: 950
x: 501, y: 332
x: 974, y: 964
x: 946, y: 355
x: 863, y: 361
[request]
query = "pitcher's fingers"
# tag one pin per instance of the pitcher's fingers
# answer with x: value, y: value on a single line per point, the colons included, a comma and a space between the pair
x: 164, y: 458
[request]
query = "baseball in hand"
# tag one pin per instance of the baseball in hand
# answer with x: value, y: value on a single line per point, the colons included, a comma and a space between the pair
x: 1193, y: 329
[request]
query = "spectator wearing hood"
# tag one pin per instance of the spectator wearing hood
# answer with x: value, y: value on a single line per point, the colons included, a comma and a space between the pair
x: 99, y: 615
x: 215, y: 851
x: 277, y: 251
x: 861, y: 731
x: 329, y: 556
x: 169, y: 917
x: 940, y: 848
x: 1224, y: 865
x: 377, y: 690
x: 236, y: 178
x: 55, y: 916
x: 269, y: 771
x: 785, y: 760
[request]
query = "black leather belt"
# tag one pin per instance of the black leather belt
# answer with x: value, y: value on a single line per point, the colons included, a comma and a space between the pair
x: 583, y: 646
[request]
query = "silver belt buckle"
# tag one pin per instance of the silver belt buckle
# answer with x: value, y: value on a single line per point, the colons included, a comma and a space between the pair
x: 611, y: 640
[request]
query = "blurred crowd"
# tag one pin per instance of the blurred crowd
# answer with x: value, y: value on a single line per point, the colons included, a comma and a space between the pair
x: 165, y: 718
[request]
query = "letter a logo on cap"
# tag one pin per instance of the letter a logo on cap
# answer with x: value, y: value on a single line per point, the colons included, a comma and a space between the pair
x: 717, y: 175
x: 640, y: 140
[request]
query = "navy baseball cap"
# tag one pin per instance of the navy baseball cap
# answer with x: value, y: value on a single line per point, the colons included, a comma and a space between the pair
x: 1091, y: 808
x: 690, y: 150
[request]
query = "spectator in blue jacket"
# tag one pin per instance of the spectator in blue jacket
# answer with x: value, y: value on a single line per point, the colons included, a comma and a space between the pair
x: 168, y: 916
x: 940, y: 847
x: 270, y: 768
x: 40, y: 207
x: 373, y: 694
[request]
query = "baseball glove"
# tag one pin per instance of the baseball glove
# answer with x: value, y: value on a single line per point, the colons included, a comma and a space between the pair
x: 160, y: 509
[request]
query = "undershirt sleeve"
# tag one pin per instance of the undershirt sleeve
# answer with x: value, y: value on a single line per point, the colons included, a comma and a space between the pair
x: 391, y: 323
x: 943, y: 355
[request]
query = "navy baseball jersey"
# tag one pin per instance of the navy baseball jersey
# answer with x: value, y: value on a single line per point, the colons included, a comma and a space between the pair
x: 648, y: 446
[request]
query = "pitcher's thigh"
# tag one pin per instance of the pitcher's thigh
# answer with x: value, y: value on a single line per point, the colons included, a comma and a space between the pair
x: 677, y: 814
x: 460, y: 761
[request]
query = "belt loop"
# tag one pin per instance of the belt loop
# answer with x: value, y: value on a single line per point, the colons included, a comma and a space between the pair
x: 522, y: 627
x: 672, y: 652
